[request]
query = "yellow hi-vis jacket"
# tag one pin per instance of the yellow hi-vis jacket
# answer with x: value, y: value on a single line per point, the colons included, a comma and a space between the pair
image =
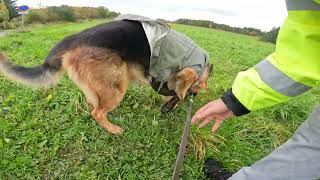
x: 293, y: 68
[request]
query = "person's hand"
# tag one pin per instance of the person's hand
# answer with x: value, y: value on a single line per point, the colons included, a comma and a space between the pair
x: 216, y: 110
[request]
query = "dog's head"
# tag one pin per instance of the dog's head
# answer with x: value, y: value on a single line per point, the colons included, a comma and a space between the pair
x: 202, y: 82
x: 188, y: 81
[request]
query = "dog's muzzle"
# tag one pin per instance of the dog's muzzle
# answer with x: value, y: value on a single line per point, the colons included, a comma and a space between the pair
x: 162, y: 88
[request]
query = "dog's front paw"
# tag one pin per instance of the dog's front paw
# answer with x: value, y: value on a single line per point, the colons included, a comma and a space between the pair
x: 115, y: 130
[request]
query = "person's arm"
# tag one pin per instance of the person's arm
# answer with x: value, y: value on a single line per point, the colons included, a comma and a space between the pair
x: 292, y: 69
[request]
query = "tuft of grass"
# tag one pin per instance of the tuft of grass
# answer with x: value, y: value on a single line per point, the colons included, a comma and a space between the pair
x: 50, y: 134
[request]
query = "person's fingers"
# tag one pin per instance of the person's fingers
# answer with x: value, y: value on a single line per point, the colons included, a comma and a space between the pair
x: 196, y: 118
x: 216, y: 106
x: 206, y: 121
x: 202, y: 113
x: 216, y: 125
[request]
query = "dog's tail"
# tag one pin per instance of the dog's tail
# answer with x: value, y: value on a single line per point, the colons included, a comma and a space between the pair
x: 40, y: 76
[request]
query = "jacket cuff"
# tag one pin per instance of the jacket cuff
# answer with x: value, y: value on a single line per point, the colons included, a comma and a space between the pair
x: 234, y: 104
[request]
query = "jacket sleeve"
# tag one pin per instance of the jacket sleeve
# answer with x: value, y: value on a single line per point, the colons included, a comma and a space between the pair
x: 291, y: 70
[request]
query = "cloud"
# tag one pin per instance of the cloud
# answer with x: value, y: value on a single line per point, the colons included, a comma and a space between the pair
x: 217, y: 11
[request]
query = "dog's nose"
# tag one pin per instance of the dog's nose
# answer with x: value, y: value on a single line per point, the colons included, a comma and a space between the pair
x: 193, y: 91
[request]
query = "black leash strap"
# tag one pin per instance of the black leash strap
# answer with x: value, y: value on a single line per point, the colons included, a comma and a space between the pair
x: 183, y: 143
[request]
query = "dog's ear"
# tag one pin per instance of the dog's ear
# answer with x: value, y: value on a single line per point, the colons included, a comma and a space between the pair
x: 210, y: 70
x: 184, y: 81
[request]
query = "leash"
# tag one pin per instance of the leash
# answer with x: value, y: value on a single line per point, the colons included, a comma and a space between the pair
x: 183, y: 143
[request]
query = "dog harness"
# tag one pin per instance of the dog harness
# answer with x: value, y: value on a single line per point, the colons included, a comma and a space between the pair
x: 171, y: 52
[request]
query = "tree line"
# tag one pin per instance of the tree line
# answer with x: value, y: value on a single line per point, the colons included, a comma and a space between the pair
x: 270, y: 36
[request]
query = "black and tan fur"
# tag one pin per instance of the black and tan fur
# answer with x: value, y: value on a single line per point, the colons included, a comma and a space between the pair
x: 101, y: 61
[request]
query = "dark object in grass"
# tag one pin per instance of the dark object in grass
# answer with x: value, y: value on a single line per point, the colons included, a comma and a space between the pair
x: 214, y: 170
x: 168, y: 106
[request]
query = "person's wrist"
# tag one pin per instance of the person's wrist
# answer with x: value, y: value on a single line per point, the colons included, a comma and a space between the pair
x: 233, y: 104
x: 222, y: 104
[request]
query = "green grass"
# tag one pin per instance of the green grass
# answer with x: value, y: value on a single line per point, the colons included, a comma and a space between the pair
x: 50, y: 134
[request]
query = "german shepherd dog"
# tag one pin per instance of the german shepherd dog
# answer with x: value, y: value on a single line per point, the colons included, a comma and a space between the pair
x: 101, y: 61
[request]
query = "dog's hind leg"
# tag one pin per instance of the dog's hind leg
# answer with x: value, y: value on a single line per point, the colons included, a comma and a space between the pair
x: 104, y: 82
x: 107, y: 103
x: 101, y: 105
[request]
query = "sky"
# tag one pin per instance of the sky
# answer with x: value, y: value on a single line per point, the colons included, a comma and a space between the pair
x: 261, y: 14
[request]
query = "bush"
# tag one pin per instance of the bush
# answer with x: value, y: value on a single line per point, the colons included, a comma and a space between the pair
x: 271, y: 36
x: 113, y: 14
x: 60, y: 13
x: 102, y: 12
x: 67, y: 13
x: 87, y: 13
x: 36, y: 16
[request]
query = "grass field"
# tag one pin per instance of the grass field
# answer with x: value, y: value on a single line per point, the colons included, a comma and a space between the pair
x: 50, y: 134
